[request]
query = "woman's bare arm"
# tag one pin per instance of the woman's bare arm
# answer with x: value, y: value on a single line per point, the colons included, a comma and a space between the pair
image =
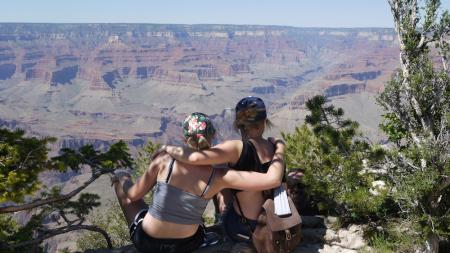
x: 144, y: 183
x: 228, y: 151
x: 255, y: 181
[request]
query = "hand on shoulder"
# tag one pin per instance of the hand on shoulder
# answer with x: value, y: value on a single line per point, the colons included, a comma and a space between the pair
x: 276, y: 141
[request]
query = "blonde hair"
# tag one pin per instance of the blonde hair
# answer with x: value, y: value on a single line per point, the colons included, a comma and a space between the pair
x: 198, y: 142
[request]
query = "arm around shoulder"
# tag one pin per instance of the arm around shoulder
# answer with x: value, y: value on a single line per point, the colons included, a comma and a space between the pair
x: 255, y: 181
x: 252, y: 181
x: 228, y: 151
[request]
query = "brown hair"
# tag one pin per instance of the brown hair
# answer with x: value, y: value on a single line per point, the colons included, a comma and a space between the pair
x: 198, y: 142
x: 243, y: 123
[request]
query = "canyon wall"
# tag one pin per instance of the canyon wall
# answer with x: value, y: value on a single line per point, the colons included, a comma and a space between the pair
x: 96, y: 83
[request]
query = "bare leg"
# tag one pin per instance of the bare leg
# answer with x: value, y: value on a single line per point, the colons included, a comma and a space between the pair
x: 129, y: 209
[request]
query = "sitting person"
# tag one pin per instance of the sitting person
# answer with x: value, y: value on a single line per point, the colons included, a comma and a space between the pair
x: 253, y: 152
x: 181, y: 192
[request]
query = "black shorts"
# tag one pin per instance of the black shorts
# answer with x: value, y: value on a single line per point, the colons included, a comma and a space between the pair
x: 145, y: 243
x: 235, y: 227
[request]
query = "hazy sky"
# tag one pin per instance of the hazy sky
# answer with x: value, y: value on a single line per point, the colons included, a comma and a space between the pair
x: 300, y: 13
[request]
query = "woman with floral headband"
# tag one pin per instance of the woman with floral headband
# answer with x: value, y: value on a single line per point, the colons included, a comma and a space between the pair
x: 181, y: 192
x: 252, y: 153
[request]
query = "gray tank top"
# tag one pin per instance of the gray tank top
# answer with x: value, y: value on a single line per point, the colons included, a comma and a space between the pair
x: 176, y: 205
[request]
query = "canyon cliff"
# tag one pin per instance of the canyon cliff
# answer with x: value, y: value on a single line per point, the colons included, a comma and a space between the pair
x: 97, y: 83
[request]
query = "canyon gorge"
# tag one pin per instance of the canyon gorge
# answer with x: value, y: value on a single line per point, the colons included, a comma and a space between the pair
x: 98, y: 83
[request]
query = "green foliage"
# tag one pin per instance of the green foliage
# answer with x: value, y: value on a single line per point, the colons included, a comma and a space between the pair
x: 79, y: 208
x: 393, y: 128
x: 83, y: 205
x: 115, y: 157
x: 142, y: 161
x: 144, y: 156
x: 113, y: 222
x: 9, y: 227
x: 416, y: 102
x: 397, y: 235
x: 420, y: 190
x: 21, y: 160
x: 332, y: 154
x: 24, y: 233
x: 208, y: 220
x: 328, y: 125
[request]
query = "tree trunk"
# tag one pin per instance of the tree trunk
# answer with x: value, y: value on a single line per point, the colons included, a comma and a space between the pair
x: 431, y: 245
x: 405, y: 62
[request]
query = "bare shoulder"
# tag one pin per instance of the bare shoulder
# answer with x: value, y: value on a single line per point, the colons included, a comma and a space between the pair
x: 230, y: 144
x: 159, y: 161
x: 233, y: 142
x: 163, y: 157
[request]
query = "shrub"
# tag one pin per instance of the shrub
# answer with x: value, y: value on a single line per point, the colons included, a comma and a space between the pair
x: 110, y: 220
x: 340, y: 166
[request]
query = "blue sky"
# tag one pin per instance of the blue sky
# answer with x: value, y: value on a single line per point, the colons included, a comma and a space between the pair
x: 300, y: 13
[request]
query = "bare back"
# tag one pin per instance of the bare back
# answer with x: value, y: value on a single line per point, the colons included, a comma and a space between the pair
x: 251, y: 201
x: 189, y: 178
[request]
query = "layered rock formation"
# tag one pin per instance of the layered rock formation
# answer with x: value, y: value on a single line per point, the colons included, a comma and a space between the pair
x: 96, y: 83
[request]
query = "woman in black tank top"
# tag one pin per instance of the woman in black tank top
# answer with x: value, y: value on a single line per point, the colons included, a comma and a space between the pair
x: 253, y: 152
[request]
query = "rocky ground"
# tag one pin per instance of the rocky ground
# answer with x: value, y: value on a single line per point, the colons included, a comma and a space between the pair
x: 320, y: 235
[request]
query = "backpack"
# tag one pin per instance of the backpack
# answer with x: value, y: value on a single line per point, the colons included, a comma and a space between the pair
x: 273, y: 233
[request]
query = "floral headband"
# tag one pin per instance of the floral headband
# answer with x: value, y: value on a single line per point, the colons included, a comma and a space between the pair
x: 198, y: 124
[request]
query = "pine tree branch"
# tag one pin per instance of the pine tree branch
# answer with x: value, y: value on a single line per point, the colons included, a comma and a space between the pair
x: 58, y: 231
x: 41, y: 202
x: 27, y: 157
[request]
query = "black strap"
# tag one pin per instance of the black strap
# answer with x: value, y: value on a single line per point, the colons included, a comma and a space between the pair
x: 170, y: 170
x: 258, y: 161
x: 239, y: 206
x: 255, y: 155
x: 266, y: 193
x: 209, y: 181
x: 243, y: 220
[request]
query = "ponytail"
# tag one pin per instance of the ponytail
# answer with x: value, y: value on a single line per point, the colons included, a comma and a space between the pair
x: 198, y: 141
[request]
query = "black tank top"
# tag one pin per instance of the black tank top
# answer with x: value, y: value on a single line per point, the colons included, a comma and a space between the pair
x: 249, y: 159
